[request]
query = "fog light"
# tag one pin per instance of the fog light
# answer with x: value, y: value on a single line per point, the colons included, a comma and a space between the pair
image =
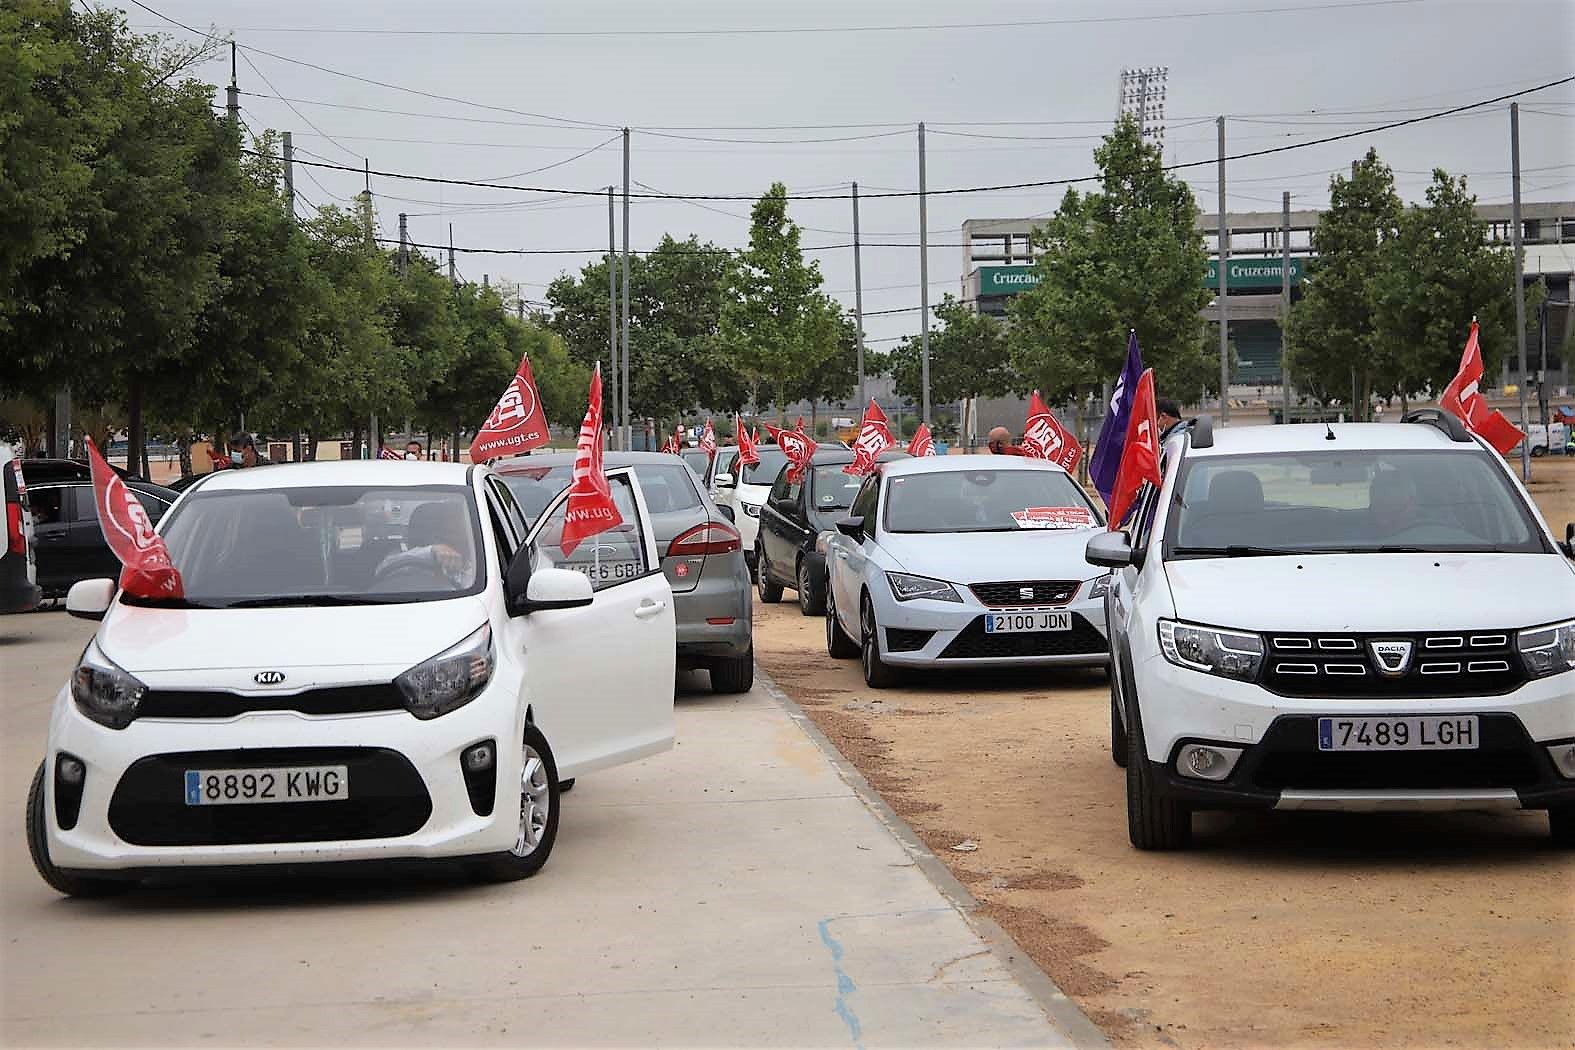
x: 478, y: 764
x: 1563, y: 756
x: 478, y: 757
x: 1207, y: 761
x: 70, y: 775
x: 71, y: 769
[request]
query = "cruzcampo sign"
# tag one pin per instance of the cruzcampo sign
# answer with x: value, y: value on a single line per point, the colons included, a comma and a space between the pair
x: 1006, y: 280
x: 1254, y: 273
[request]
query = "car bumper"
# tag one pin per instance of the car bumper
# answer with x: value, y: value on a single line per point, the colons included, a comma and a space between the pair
x: 1281, y: 766
x: 925, y: 633
x: 715, y: 620
x: 133, y: 817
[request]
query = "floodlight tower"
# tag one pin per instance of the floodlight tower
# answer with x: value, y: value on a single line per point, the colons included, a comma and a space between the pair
x: 1142, y: 95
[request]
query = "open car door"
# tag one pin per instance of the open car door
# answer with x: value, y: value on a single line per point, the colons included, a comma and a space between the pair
x: 600, y: 678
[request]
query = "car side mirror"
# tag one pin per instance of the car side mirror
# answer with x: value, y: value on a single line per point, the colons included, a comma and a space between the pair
x: 853, y: 527
x: 724, y: 480
x: 557, y: 589
x: 1112, y: 550
x: 89, y: 599
x: 727, y: 511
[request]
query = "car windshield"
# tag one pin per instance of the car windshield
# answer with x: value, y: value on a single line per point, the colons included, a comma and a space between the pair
x: 832, y: 490
x: 1348, y: 502
x: 326, y: 545
x: 986, y: 501
x: 666, y: 487
x: 765, y: 472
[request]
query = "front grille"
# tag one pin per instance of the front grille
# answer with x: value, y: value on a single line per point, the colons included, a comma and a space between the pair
x: 906, y: 640
x: 387, y: 799
x: 973, y: 643
x: 1289, y: 757
x: 1344, y: 666
x: 1009, y: 594
x: 338, y: 700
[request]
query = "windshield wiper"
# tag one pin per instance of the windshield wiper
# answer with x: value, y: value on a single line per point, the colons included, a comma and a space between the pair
x: 302, y: 599
x: 1234, y: 550
x: 165, y: 603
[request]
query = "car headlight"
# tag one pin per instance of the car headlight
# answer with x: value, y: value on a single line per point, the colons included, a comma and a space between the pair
x: 1229, y: 654
x: 905, y: 588
x: 1548, y: 650
x: 103, y: 691
x: 451, y: 679
x: 823, y: 541
x: 750, y: 509
x: 1099, y: 586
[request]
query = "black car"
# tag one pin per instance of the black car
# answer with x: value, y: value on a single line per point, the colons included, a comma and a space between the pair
x: 793, y: 517
x: 68, y: 543
x: 45, y: 471
x: 18, y: 589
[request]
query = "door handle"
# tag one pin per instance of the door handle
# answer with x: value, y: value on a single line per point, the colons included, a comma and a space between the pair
x: 649, y: 609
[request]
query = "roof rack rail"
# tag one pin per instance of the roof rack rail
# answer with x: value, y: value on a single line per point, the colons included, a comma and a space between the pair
x: 1201, y: 431
x: 1445, y: 421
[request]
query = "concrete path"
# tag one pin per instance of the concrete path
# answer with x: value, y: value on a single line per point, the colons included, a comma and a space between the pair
x: 736, y: 891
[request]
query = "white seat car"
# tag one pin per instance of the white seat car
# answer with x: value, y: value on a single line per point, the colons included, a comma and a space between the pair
x: 965, y: 561
x: 745, y: 488
x: 1355, y: 617
x: 372, y: 660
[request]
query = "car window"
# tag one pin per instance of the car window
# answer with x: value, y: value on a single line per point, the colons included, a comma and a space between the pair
x: 833, y: 489
x: 698, y: 459
x: 48, y: 504
x: 535, y: 487
x: 772, y: 459
x: 608, y: 558
x: 513, y: 516
x: 1350, y: 501
x: 864, y: 503
x: 782, y: 490
x: 85, y: 506
x: 986, y: 500
x: 667, y: 487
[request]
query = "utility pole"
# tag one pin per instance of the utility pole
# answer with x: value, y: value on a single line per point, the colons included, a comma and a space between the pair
x: 366, y: 207
x: 452, y: 279
x: 232, y: 94
x: 1520, y: 287
x: 1542, y: 371
x: 1224, y: 257
x: 289, y: 173
x: 858, y: 293
x: 404, y: 247
x: 924, y: 283
x: 625, y: 437
x: 1285, y: 301
x: 612, y: 302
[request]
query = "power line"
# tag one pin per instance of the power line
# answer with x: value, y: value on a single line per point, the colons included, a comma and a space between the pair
x: 298, y: 113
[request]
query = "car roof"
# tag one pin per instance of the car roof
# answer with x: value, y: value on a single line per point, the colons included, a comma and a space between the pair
x: 519, y: 464
x: 972, y: 461
x: 382, y: 473
x: 833, y: 454
x: 1314, y: 437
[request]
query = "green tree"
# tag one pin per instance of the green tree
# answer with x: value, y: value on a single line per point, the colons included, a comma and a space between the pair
x: 1125, y: 256
x: 969, y: 357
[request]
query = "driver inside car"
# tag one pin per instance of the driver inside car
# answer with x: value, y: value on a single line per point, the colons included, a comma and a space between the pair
x: 435, y: 539
x: 1393, y: 500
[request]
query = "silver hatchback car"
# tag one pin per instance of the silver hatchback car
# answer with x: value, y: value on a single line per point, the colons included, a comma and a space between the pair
x: 702, y: 555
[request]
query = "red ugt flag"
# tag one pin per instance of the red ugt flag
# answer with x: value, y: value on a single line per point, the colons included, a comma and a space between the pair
x: 590, y: 509
x: 921, y: 444
x: 708, y: 438
x: 1464, y: 399
x: 516, y: 424
x: 874, y: 438
x: 747, y: 456
x: 1045, y: 438
x: 1140, y: 453
x: 797, y: 446
x: 146, y: 569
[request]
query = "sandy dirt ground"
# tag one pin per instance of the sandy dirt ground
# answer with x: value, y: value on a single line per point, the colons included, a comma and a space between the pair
x: 1278, y: 929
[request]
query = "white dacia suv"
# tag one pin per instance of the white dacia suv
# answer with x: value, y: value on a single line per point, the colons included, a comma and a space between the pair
x: 1352, y: 617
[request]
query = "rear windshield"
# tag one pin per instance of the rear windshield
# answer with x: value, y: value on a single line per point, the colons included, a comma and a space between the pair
x: 765, y: 472
x: 1349, y: 502
x: 667, y: 487
x: 832, y: 489
x: 698, y: 459
x: 985, y: 501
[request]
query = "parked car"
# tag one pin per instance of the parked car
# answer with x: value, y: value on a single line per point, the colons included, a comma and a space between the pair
x: 1553, y: 437
x: 796, y: 523
x: 330, y: 689
x: 744, y: 488
x: 19, y: 591
x: 42, y: 471
x: 706, y: 465
x: 965, y: 561
x: 70, y: 545
x: 700, y: 555
x: 1363, y: 617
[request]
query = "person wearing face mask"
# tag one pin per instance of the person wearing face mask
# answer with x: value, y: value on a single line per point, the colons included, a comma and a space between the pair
x: 413, y: 450
x: 243, y: 452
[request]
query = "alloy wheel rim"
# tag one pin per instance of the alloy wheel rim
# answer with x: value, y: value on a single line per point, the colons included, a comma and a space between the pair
x: 535, y: 802
x: 867, y: 629
x: 803, y: 589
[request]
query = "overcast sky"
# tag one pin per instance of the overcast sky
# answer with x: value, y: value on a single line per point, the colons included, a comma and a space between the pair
x: 1004, y: 104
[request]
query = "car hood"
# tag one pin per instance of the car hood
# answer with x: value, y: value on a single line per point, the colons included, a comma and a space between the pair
x: 1374, y: 592
x: 382, y: 639
x: 983, y: 557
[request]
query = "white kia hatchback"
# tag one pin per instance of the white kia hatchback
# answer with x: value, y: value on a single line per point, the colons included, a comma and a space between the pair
x: 372, y: 660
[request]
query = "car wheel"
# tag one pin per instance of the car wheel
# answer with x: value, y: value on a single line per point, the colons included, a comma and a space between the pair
x: 38, y: 845
x: 838, y: 645
x: 770, y: 590
x: 1561, y: 822
x: 734, y: 674
x: 1153, y: 821
x: 811, y: 602
x: 877, y: 675
x: 538, y: 814
x: 1538, y: 451
x: 1118, y: 730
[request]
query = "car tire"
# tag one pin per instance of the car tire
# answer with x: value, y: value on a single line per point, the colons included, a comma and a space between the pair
x: 538, y: 789
x: 877, y: 675
x: 1154, y: 822
x: 811, y: 597
x: 38, y: 845
x: 838, y: 645
x: 1561, y: 824
x: 734, y: 674
x: 1538, y: 451
x: 770, y: 590
x: 1118, y: 729
x: 565, y: 785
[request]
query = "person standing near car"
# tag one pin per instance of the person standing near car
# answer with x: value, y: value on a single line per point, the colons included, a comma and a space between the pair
x: 413, y: 450
x: 1168, y: 415
x: 243, y: 452
x: 1000, y: 443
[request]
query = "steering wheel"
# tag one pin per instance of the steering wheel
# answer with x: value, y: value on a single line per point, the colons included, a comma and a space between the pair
x: 413, y: 576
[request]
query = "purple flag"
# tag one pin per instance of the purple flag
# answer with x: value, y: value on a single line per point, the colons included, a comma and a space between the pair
x: 1106, y: 460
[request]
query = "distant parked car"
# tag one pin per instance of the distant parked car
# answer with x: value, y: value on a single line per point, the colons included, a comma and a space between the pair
x: 18, y: 574
x: 44, y: 471
x: 744, y: 489
x: 69, y: 543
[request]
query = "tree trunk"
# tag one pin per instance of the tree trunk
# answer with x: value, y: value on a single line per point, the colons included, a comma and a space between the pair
x: 185, y: 454
x: 134, y: 428
x: 310, y: 455
x: 355, y: 442
x: 457, y: 435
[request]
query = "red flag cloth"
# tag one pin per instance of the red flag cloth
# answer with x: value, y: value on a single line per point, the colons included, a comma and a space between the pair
x: 387, y: 453
x: 516, y: 424
x: 590, y: 509
x: 1464, y: 399
x: 146, y: 569
x: 921, y: 444
x: 797, y: 446
x: 708, y: 438
x: 1045, y: 438
x: 1140, y: 454
x: 874, y: 438
x: 747, y: 456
